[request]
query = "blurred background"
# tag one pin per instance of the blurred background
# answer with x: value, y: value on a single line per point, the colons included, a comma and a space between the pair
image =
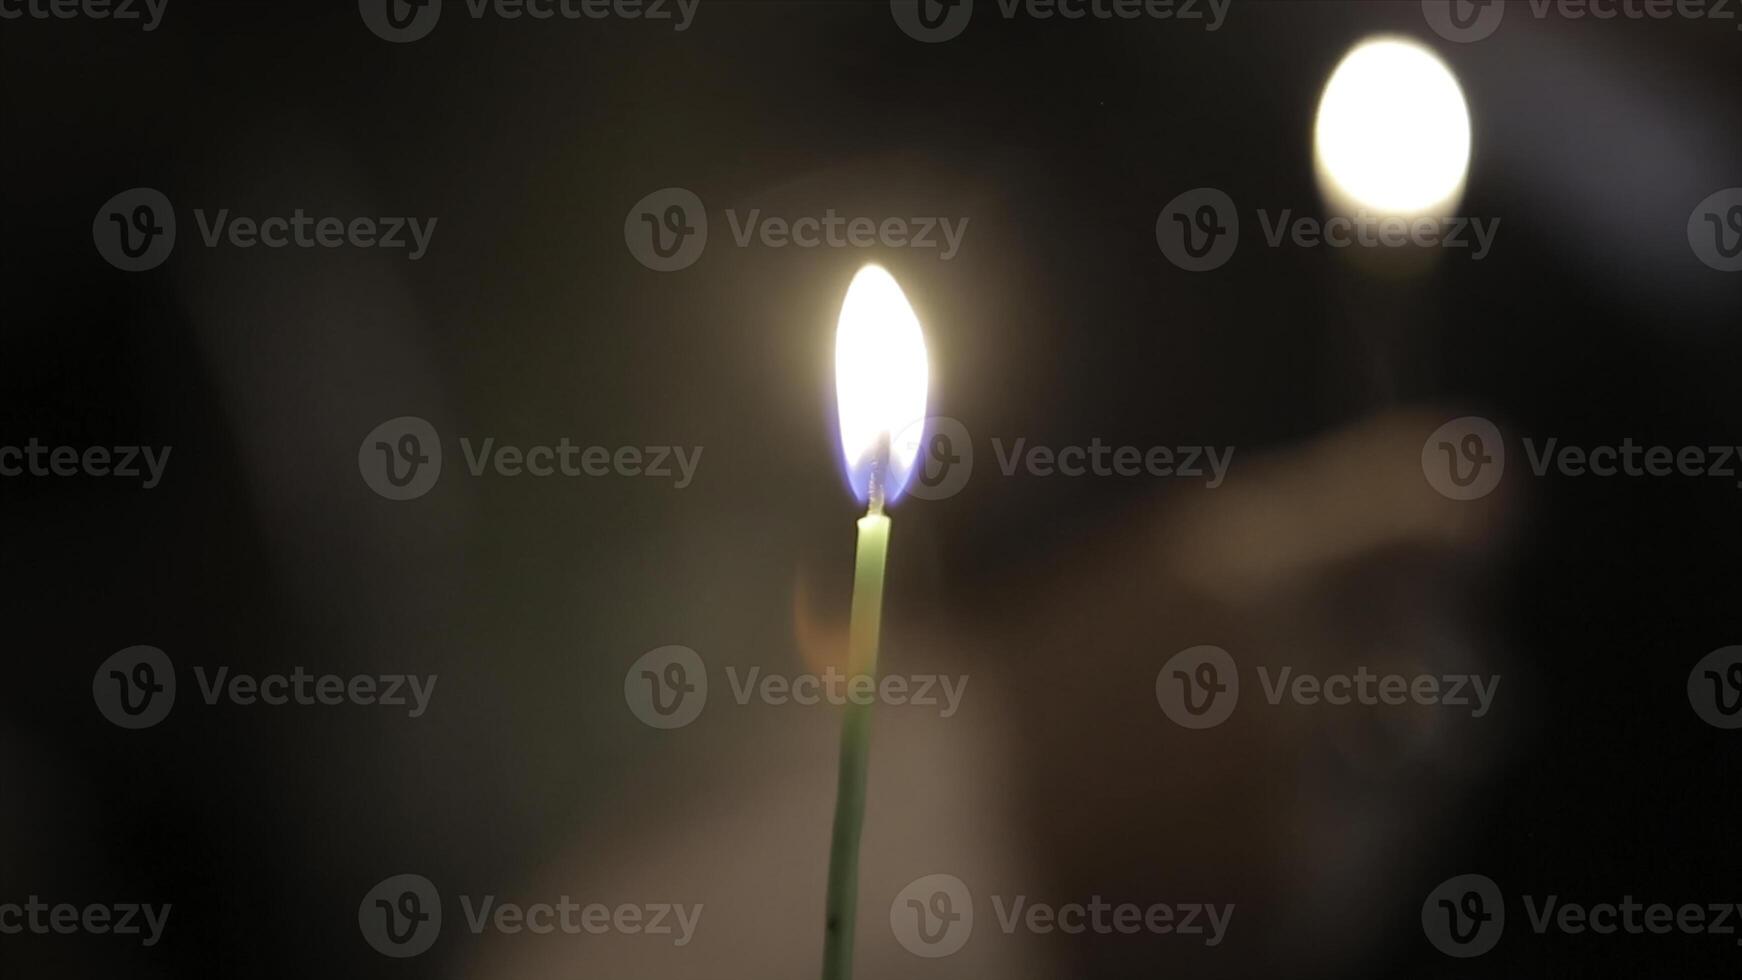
x: 1059, y: 320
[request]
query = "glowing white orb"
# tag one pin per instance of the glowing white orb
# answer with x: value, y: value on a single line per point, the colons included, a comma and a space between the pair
x: 1393, y: 131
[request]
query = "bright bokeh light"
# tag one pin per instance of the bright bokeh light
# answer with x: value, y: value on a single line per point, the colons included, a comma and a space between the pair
x: 881, y: 377
x: 1393, y: 131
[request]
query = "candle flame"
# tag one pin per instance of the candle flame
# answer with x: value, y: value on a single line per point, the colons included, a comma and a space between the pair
x: 881, y: 377
x: 1393, y: 131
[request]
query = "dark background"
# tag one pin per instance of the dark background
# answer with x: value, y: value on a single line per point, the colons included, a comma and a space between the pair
x: 1059, y: 321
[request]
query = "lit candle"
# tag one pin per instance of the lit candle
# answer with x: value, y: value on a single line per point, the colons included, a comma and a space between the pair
x: 880, y: 392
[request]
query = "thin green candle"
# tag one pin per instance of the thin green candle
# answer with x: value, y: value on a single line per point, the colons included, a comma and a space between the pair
x: 867, y: 623
x: 881, y: 376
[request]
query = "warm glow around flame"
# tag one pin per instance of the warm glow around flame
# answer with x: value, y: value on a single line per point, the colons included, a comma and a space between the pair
x: 881, y: 376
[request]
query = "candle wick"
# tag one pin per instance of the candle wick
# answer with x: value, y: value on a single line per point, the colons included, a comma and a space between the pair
x: 879, y: 471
